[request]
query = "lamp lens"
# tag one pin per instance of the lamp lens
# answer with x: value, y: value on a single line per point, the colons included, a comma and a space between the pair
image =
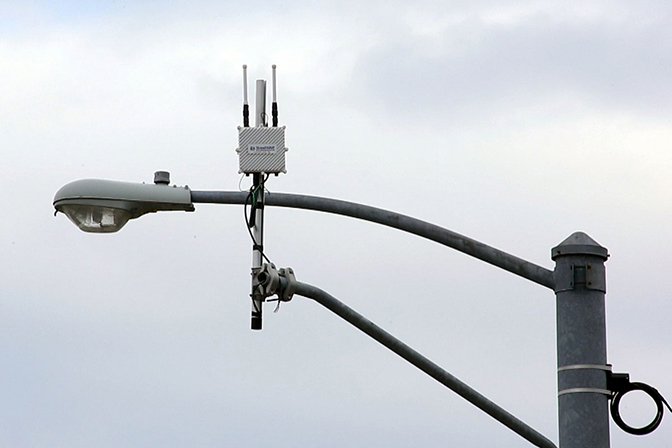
x: 96, y: 219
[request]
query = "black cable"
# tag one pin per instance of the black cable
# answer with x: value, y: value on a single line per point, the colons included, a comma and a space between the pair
x: 249, y: 200
x: 625, y: 387
x: 254, y: 189
x: 249, y: 221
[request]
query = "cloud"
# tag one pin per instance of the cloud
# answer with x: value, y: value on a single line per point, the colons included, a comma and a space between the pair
x: 480, y: 66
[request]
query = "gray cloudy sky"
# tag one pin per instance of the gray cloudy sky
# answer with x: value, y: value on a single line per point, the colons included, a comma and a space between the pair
x: 515, y: 123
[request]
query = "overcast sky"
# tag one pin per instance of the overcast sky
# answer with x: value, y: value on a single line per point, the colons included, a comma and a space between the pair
x: 515, y: 123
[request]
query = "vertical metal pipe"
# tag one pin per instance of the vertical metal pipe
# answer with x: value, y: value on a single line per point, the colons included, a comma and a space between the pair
x: 258, y: 248
x: 580, y: 287
x: 258, y: 209
x: 260, y: 112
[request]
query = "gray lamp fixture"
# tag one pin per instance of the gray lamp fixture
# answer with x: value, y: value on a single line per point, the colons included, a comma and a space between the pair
x: 105, y: 206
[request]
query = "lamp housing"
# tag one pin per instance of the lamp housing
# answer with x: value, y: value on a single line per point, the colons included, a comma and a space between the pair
x: 105, y: 206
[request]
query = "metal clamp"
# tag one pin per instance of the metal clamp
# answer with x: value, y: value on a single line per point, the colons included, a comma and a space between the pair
x: 582, y: 275
x: 268, y: 281
x: 265, y: 281
x: 287, y: 284
x: 585, y: 366
x: 583, y: 390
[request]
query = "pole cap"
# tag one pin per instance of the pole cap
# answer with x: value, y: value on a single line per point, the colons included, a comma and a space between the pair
x: 578, y: 243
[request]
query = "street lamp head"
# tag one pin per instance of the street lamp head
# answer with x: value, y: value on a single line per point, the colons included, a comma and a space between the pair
x: 105, y: 206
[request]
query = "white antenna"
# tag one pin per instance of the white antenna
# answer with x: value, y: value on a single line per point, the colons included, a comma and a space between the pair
x: 274, y: 105
x: 275, y: 91
x: 244, y: 84
x: 246, y: 108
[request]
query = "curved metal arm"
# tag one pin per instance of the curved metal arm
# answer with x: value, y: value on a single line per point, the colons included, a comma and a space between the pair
x: 499, y: 258
x: 424, y: 364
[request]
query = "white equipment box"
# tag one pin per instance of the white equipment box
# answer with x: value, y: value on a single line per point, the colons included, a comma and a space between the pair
x: 261, y: 150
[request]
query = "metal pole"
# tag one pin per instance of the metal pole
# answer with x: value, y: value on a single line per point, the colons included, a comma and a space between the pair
x: 469, y: 246
x: 424, y: 364
x: 583, y: 398
x: 260, y: 112
x: 258, y: 210
x: 258, y: 247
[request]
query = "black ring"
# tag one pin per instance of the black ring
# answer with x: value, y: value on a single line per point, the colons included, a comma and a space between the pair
x: 651, y: 392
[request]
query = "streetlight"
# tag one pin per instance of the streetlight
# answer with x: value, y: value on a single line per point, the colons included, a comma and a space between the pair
x: 105, y: 206
x: 578, y: 281
x: 586, y: 382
